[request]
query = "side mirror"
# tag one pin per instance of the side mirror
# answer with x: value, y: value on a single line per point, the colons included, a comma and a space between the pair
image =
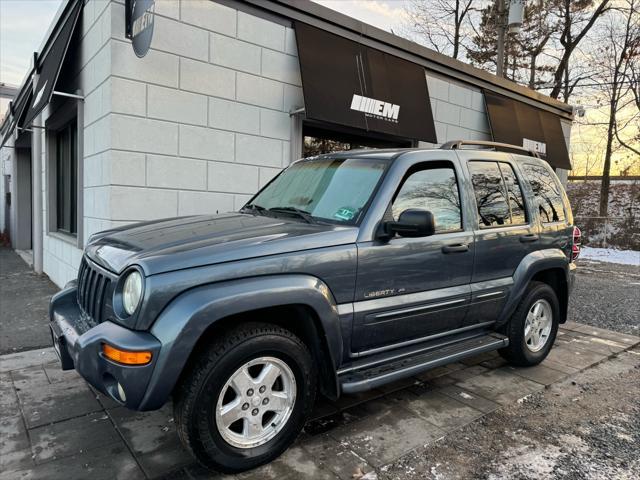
x: 413, y: 222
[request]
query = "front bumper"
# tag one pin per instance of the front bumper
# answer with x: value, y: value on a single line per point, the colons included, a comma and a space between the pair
x: 79, y: 345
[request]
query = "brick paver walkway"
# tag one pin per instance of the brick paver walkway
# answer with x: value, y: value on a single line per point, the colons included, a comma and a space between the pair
x: 53, y: 426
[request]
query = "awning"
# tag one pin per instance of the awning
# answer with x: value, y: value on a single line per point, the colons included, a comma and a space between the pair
x: 521, y: 124
x: 50, y: 61
x: 346, y: 83
x: 6, y: 128
x: 16, y: 115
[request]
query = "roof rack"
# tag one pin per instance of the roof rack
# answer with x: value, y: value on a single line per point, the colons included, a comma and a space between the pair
x: 502, y: 147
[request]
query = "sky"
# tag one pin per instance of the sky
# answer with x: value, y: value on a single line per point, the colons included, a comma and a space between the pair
x: 23, y: 24
x: 387, y: 15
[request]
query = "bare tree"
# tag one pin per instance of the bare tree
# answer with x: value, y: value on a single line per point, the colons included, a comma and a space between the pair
x: 617, y: 56
x: 634, y: 80
x: 537, y: 29
x: 573, y: 14
x: 633, y: 77
x: 439, y: 23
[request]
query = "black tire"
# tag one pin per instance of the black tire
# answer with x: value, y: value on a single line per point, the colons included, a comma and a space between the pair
x: 196, y: 397
x: 518, y: 353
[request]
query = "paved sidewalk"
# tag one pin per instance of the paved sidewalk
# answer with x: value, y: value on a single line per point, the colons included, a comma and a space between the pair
x: 54, y: 426
x: 24, y: 305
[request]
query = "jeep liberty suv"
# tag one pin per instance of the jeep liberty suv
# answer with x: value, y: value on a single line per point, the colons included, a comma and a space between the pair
x: 346, y: 272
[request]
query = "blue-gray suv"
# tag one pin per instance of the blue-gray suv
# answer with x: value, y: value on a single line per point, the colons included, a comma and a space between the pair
x: 346, y: 272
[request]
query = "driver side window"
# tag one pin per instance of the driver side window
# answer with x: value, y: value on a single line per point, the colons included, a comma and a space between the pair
x: 434, y: 189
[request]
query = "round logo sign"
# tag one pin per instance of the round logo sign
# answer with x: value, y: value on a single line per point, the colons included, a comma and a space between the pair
x: 142, y: 25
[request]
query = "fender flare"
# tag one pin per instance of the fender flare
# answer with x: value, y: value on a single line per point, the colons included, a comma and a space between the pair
x: 529, y: 266
x: 182, y: 323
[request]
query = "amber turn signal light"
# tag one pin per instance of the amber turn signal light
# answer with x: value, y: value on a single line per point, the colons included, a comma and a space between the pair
x: 125, y: 357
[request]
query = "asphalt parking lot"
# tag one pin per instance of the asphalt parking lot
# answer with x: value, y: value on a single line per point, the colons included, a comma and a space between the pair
x: 607, y: 295
x: 574, y: 416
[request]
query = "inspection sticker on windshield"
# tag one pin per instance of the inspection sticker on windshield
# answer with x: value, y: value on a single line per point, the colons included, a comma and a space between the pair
x: 344, y: 213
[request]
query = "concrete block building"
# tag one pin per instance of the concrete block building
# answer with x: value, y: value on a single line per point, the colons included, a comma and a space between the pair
x: 224, y: 96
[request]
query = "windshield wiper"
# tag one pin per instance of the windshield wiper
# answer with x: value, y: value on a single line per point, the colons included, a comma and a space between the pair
x: 306, y: 216
x: 259, y: 209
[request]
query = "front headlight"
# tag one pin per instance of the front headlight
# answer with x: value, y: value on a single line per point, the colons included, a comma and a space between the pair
x: 132, y: 292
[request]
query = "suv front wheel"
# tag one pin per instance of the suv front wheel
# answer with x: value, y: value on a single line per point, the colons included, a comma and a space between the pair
x: 533, y: 327
x: 246, y: 398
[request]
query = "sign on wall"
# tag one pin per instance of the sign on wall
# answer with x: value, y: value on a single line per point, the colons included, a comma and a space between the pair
x: 347, y: 83
x: 139, y: 24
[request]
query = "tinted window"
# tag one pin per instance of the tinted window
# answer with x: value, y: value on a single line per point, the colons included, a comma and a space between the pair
x: 546, y: 191
x: 435, y: 190
x: 491, y: 195
x: 514, y: 193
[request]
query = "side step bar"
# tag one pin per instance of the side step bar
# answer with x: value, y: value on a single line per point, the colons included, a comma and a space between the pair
x: 372, y: 377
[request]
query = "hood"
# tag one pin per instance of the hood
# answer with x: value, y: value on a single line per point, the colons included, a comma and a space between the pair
x: 187, y: 242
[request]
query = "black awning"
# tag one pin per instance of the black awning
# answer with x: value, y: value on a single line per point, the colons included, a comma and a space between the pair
x: 6, y: 128
x: 17, y: 110
x: 521, y: 124
x: 346, y: 83
x: 50, y: 61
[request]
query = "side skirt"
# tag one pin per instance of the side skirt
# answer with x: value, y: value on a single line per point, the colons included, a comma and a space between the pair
x: 368, y: 377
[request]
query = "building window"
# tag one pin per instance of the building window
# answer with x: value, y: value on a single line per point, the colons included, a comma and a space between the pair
x: 66, y: 180
x: 318, y: 141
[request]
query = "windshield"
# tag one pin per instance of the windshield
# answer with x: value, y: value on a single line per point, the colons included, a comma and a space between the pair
x: 336, y: 190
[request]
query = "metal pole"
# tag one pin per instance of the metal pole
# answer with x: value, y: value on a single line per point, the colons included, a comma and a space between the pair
x: 68, y: 95
x: 36, y: 194
x: 501, y: 30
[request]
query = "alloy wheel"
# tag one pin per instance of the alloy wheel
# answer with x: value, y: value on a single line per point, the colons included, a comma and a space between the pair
x: 537, y: 325
x: 256, y: 402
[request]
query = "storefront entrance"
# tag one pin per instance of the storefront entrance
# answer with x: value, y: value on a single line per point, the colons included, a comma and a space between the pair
x: 318, y: 140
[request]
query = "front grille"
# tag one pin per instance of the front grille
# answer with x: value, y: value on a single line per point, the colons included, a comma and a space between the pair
x: 92, y: 290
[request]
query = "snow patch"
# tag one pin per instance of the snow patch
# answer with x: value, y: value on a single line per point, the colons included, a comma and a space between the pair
x: 611, y: 255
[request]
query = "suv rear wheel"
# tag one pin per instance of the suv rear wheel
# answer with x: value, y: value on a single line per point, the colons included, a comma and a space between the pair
x: 533, y: 327
x: 246, y: 398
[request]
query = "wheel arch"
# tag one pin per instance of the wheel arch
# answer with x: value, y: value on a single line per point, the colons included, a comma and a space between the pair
x: 556, y: 278
x: 549, y: 266
x: 300, y: 319
x: 302, y: 303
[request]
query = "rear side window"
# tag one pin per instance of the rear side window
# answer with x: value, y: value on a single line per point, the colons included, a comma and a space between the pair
x: 435, y: 190
x: 546, y: 192
x: 491, y: 194
x: 514, y: 194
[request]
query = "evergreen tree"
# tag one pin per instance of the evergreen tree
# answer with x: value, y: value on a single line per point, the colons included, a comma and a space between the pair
x: 523, y: 50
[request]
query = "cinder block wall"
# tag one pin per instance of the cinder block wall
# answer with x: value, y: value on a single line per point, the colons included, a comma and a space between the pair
x: 201, y: 122
x: 458, y: 110
x: 91, y: 75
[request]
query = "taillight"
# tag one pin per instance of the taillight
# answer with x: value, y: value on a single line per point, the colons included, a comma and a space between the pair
x: 575, y: 246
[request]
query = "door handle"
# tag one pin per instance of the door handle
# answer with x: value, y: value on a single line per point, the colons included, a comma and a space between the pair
x: 530, y: 237
x: 458, y: 248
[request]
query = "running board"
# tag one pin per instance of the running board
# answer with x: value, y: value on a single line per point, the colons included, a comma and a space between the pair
x: 367, y: 378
